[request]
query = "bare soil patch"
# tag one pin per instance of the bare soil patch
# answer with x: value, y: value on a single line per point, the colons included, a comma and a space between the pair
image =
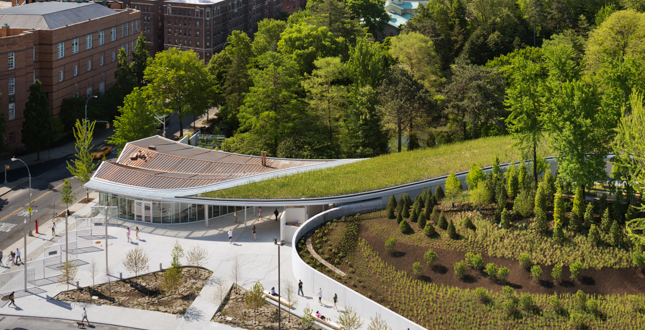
x: 62, y: 214
x: 266, y: 317
x: 144, y: 292
x: 86, y: 200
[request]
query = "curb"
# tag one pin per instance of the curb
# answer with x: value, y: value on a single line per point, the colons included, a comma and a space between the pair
x: 72, y: 320
x: 14, y: 187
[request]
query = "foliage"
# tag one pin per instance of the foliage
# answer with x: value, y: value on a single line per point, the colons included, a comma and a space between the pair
x: 615, y: 234
x: 594, y: 235
x: 453, y: 186
x: 136, y: 261
x: 506, y: 219
x: 254, y: 298
x: 460, y: 269
x: 579, y: 203
x: 575, y: 269
x: 475, y: 261
x: 350, y: 319
x: 439, y: 193
x: 540, y: 224
x: 526, y: 302
x: 377, y: 323
x: 136, y: 119
x: 452, y: 232
x: 429, y: 257
x: 512, y: 181
x: 176, y: 254
x: 67, y: 195
x: 429, y: 230
x: 399, y: 217
x: 525, y: 260
x: 580, y: 300
x: 481, y: 196
x: 391, y: 204
x: 558, y: 233
x: 536, y: 273
x: 556, y: 273
x: 421, y: 221
x: 417, y: 269
x: 491, y: 270
x: 589, y: 216
x: 37, y: 127
x: 467, y: 223
x: 606, y: 221
x: 474, y: 176
x: 442, y: 223
x: 502, y: 274
x: 415, y: 52
x: 83, y: 166
x: 390, y: 245
x: 524, y: 203
x: 405, y: 228
x: 197, y: 255
x: 558, y: 208
x: 171, y: 280
x: 68, y: 273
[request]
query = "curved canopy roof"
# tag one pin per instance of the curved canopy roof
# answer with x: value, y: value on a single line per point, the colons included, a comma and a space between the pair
x: 160, y: 168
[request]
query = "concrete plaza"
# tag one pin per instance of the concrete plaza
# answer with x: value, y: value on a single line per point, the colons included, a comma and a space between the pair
x: 258, y: 261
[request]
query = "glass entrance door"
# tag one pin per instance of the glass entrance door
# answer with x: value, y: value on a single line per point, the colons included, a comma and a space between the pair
x: 143, y: 211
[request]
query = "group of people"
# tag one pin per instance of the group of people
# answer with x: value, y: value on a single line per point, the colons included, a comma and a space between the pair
x: 13, y: 257
x: 128, y: 233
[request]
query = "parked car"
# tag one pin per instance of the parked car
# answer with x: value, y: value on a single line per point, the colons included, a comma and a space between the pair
x: 101, y: 152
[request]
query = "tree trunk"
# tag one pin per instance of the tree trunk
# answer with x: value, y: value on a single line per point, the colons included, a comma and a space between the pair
x: 463, y: 127
x: 181, y: 126
x: 399, y: 123
x: 474, y: 130
x: 535, y: 172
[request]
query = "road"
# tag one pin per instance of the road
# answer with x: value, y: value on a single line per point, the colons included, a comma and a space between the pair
x: 36, y: 323
x: 46, y: 184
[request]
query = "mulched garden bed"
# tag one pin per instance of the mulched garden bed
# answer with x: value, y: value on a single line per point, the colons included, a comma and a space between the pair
x: 245, y: 318
x: 144, y: 292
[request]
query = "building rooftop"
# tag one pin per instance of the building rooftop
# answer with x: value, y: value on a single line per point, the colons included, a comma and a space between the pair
x: 195, y: 2
x: 397, y: 20
x: 51, y: 15
x: 160, y: 167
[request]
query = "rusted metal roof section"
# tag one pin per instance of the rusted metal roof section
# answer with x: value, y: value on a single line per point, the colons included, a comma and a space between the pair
x: 160, y: 163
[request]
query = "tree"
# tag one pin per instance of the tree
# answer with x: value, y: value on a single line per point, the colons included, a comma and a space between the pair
x: 83, y: 166
x: 429, y: 229
x: 594, y: 235
x: 335, y: 16
x: 365, y: 136
x: 37, y: 127
x: 540, y: 224
x: 197, y: 255
x: 68, y: 273
x: 417, y: 269
x: 273, y: 109
x: 635, y: 5
x: 453, y: 186
x: 136, y: 120
x: 221, y: 291
x: 558, y: 208
x: 326, y: 98
x: 474, y: 176
x: 575, y: 270
x: 254, y: 299
x: 350, y: 320
x: 125, y: 77
x: 579, y: 203
x: 238, y: 79
x: 525, y: 73
x: 475, y: 94
x: 405, y: 228
x: 506, y: 219
x: 305, y: 43
x: 442, y: 222
x: 415, y: 52
x: 452, y: 232
x: 94, y: 269
x: 366, y: 64
x: 430, y: 257
x: 136, y: 261
x: 404, y: 101
x: 236, y: 270
x: 67, y: 196
x: 377, y: 323
x: 268, y: 36
x: 615, y: 234
x: 290, y: 293
x: 179, y: 83
x: 371, y: 13
x: 308, y: 319
x: 556, y: 273
x: 140, y: 61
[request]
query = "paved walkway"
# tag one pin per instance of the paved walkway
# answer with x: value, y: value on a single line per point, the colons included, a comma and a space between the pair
x: 38, y: 323
x: 257, y: 260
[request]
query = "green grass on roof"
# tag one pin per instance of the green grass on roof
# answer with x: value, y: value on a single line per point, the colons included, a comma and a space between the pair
x: 380, y: 172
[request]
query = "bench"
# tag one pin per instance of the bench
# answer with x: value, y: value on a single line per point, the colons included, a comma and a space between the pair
x: 279, y: 299
x: 327, y: 323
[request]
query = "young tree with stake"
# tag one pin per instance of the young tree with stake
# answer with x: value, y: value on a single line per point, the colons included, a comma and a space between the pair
x: 67, y: 196
x: 83, y: 166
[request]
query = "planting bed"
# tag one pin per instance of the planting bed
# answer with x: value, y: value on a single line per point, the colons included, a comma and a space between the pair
x: 437, y: 298
x: 143, y: 292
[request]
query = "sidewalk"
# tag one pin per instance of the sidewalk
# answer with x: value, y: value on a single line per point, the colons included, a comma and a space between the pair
x: 258, y: 261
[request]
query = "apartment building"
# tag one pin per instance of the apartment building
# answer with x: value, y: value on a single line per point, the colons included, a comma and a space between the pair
x: 200, y: 25
x: 70, y: 47
x: 292, y: 6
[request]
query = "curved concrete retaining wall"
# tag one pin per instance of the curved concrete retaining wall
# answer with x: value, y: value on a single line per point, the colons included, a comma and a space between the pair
x: 313, y: 279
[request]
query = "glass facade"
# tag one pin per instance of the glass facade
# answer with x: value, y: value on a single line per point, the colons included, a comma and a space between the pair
x: 159, y: 212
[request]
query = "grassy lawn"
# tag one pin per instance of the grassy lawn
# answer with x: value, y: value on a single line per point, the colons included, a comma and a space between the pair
x: 381, y: 172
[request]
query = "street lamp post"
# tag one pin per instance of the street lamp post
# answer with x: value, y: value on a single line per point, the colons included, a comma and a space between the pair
x: 24, y: 250
x: 88, y: 100
x: 279, y: 244
x: 13, y: 159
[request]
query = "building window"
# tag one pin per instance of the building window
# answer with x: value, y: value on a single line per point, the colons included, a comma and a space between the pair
x: 196, y: 12
x: 101, y: 61
x: 198, y: 44
x: 101, y: 37
x: 88, y: 41
x: 114, y: 33
x: 136, y: 26
x: 88, y: 91
x: 197, y: 34
x: 34, y: 76
x: 126, y: 29
x: 75, y: 70
x: 12, y: 135
x: 60, y: 76
x: 126, y: 48
x: 208, y: 13
x: 89, y: 65
x: 132, y: 27
x: 12, y: 86
x: 113, y: 56
x: 197, y: 24
x: 169, y: 31
x: 61, y: 49
x: 169, y: 10
x: 12, y: 112
x: 75, y: 45
x: 122, y: 30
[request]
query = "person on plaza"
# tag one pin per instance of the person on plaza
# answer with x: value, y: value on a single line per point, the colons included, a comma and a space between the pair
x: 53, y: 228
x: 260, y: 213
x: 320, y: 316
x: 273, y: 293
x: 276, y: 214
x: 320, y: 296
x: 300, y: 288
x: 128, y: 234
x: 12, y: 300
x: 18, y: 256
x: 254, y: 231
x: 335, y: 301
x: 235, y: 215
x: 85, y: 317
x: 12, y: 258
x: 136, y: 230
x: 230, y: 236
x: 0, y: 257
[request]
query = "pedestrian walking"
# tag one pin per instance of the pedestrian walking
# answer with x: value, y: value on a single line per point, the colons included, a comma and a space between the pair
x: 276, y: 214
x: 11, y: 299
x: 260, y: 213
x: 254, y: 231
x: 320, y: 296
x: 53, y: 228
x: 300, y: 288
x: 230, y: 236
x: 12, y: 258
x: 235, y: 215
x: 136, y: 230
x: 18, y: 256
x: 335, y: 301
x: 128, y: 234
x: 85, y: 317
x: 0, y: 257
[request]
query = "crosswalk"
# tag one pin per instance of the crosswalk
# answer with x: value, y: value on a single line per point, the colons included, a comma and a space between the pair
x: 25, y: 213
x: 6, y: 226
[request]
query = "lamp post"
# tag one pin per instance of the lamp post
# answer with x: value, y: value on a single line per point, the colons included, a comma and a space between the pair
x: 13, y: 159
x: 24, y: 250
x: 279, y: 244
x: 88, y: 100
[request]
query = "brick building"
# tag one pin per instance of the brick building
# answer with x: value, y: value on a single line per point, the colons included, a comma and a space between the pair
x: 200, y: 25
x: 292, y: 6
x: 70, y: 47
